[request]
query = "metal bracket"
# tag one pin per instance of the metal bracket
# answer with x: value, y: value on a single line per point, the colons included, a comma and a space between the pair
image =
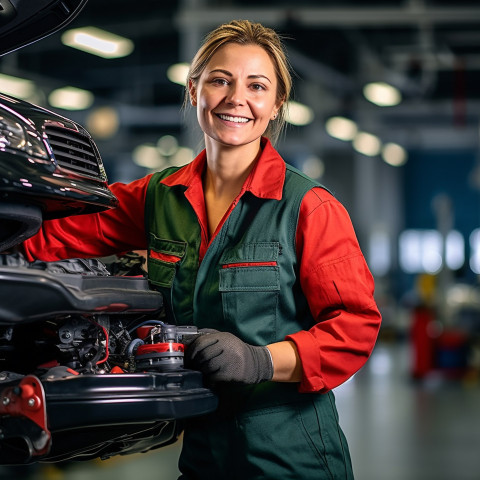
x: 23, y: 416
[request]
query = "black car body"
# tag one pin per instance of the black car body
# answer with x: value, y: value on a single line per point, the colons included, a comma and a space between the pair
x: 88, y: 368
x: 50, y: 167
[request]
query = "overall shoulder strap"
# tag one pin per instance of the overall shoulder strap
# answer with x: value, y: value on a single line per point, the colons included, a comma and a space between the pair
x: 153, y: 185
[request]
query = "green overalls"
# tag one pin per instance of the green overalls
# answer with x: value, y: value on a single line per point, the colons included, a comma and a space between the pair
x: 246, y: 284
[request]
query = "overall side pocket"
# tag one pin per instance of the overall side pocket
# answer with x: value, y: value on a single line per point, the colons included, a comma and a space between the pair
x: 163, y: 258
x: 249, y: 283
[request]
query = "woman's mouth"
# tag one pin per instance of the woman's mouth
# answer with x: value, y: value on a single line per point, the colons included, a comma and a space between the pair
x: 229, y: 118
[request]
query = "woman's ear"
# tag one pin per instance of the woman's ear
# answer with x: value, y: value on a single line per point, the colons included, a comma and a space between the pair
x: 192, y: 91
x: 277, y: 108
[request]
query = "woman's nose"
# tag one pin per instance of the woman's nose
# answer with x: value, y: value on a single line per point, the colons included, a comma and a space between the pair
x: 236, y: 95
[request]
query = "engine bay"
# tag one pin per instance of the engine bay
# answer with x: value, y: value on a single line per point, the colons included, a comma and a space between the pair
x: 88, y: 366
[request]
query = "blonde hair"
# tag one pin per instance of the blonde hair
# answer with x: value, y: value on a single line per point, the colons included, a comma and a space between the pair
x: 245, y: 32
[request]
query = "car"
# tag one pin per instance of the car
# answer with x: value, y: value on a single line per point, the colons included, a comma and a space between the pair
x: 88, y: 366
x: 49, y: 168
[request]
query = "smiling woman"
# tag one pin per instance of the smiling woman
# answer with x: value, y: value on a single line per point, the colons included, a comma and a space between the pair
x: 239, y: 82
x: 251, y: 35
x: 236, y: 96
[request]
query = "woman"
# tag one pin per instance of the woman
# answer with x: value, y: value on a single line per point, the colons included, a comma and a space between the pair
x: 259, y: 256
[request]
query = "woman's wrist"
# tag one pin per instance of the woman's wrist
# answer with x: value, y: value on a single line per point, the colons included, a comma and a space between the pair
x: 287, y: 366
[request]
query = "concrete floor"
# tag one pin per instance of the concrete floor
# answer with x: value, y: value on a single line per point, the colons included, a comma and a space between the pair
x: 397, y: 429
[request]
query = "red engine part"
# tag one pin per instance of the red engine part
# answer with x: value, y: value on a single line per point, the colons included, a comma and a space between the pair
x: 27, y: 400
x: 160, y: 348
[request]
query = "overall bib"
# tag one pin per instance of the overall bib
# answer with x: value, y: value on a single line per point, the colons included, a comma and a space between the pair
x: 246, y: 284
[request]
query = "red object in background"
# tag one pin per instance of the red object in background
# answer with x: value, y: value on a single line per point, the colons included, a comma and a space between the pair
x: 423, y: 345
x: 452, y: 352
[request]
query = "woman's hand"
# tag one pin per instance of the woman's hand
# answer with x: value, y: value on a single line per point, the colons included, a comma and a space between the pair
x: 221, y: 356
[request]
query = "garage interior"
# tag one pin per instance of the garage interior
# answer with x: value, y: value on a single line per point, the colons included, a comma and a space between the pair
x: 407, y: 171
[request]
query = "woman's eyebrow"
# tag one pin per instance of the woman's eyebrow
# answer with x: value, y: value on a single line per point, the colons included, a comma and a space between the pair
x: 221, y: 70
x: 260, y: 76
x: 229, y: 74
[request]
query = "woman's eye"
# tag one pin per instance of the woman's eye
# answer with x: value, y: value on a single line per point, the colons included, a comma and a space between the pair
x: 258, y: 86
x: 220, y: 81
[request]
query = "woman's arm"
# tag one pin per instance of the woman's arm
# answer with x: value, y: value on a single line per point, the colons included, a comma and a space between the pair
x: 94, y: 235
x: 339, y: 289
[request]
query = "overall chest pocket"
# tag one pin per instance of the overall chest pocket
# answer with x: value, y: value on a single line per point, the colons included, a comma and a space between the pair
x: 249, y: 284
x: 163, y: 258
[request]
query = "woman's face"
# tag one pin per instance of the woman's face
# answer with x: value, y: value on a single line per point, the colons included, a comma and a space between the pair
x: 236, y: 95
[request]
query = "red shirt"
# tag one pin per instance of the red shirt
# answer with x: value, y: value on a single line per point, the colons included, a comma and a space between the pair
x: 333, y: 272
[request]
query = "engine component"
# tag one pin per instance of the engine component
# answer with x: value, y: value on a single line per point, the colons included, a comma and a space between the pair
x: 162, y: 349
x: 74, y: 338
x: 24, y: 421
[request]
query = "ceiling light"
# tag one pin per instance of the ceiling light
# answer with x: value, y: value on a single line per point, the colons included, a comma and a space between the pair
x: 148, y: 156
x: 382, y: 94
x: 182, y: 156
x: 178, y: 72
x: 394, y: 154
x: 103, y: 122
x: 341, y: 128
x: 298, y: 114
x: 98, y: 42
x: 167, y: 145
x: 313, y: 167
x: 367, y: 144
x: 17, y: 87
x: 71, y: 98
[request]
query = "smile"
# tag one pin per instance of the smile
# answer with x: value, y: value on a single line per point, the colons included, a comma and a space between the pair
x: 228, y: 118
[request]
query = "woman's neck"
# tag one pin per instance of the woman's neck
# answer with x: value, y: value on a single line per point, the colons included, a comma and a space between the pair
x: 228, y: 167
x: 226, y: 172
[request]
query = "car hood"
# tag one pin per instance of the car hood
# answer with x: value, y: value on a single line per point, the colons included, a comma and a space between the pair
x: 23, y: 22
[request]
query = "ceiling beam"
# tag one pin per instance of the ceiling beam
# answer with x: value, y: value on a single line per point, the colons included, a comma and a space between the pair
x: 409, y: 15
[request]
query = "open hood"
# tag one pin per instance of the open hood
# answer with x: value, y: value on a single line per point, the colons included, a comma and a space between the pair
x: 25, y: 21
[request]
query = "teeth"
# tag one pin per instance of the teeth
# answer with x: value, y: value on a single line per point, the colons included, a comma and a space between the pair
x: 234, y: 119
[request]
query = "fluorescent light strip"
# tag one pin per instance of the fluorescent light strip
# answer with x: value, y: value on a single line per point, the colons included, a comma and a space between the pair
x: 382, y: 94
x: 299, y: 114
x: 367, y: 144
x: 177, y: 73
x: 17, y: 87
x: 394, y: 154
x: 71, y: 98
x: 341, y: 128
x: 98, y: 42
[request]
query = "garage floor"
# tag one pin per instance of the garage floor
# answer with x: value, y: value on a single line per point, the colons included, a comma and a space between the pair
x: 397, y: 429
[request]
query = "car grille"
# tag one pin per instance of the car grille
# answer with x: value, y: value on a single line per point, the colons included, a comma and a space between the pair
x: 73, y: 150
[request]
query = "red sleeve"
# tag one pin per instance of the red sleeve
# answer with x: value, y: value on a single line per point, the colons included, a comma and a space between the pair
x: 339, y: 289
x: 94, y: 235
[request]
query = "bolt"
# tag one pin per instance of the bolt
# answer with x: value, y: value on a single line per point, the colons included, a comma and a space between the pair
x: 5, y: 401
x: 31, y: 402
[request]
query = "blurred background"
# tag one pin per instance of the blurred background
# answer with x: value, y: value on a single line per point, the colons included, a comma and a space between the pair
x: 385, y: 113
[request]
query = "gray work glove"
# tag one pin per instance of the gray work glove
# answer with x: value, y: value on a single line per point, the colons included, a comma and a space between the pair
x: 223, y: 357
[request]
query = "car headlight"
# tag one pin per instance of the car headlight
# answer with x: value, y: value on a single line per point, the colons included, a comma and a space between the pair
x: 15, y: 136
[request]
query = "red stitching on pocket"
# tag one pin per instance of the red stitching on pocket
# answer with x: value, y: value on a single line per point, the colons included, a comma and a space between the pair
x: 250, y: 264
x: 165, y: 257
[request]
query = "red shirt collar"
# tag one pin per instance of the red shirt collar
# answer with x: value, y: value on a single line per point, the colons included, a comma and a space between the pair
x: 265, y: 180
